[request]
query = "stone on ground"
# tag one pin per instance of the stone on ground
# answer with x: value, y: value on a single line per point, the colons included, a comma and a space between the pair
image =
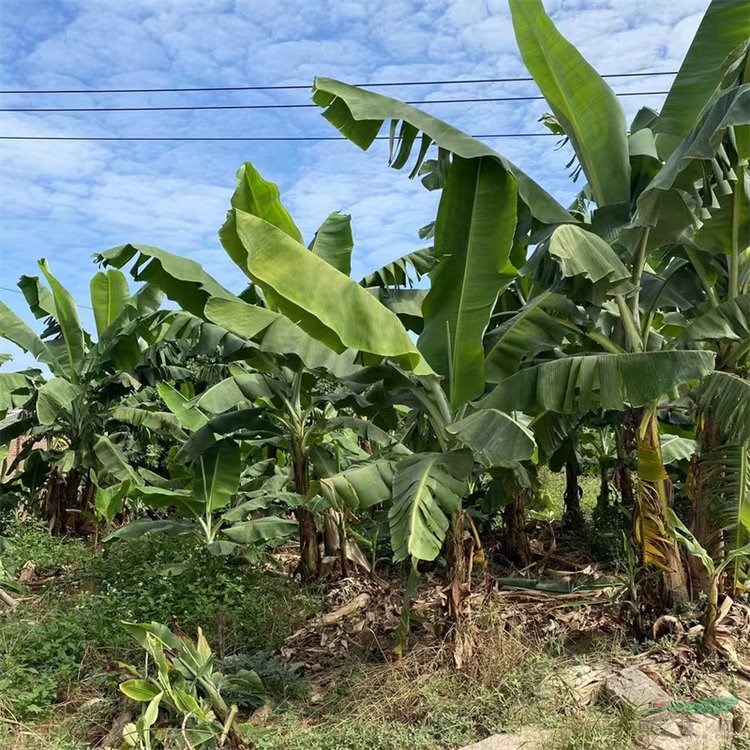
x: 526, y: 739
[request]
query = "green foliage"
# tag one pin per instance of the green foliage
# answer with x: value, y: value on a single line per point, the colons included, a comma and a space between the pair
x: 180, y: 679
x: 77, y: 635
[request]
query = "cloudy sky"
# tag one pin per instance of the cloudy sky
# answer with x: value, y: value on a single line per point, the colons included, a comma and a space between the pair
x: 66, y: 200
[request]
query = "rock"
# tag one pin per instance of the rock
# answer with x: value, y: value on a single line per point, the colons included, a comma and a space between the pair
x: 526, y: 739
x: 715, y: 687
x: 633, y: 689
x: 683, y: 731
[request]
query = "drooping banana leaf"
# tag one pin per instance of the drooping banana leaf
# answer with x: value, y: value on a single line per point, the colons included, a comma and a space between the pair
x: 358, y: 487
x: 427, y: 488
x: 725, y: 469
x: 725, y: 26
x: 38, y: 297
x: 333, y: 242
x: 398, y: 272
x: 608, y: 381
x: 405, y: 303
x: 16, y: 331
x: 359, y: 115
x: 241, y: 389
x: 675, y: 448
x: 531, y: 330
x: 265, y: 530
x: 730, y: 218
x: 494, y: 437
x: 181, y: 279
x: 582, y: 253
x: 278, y: 335
x: 584, y: 105
x: 473, y: 238
x: 699, y: 145
x: 157, y: 421
x: 729, y: 321
x: 55, y: 399
x: 114, y: 462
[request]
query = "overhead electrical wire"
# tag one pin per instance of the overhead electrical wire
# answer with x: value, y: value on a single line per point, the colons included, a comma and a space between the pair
x: 301, y: 87
x: 18, y: 291
x: 184, y: 108
x: 239, y: 139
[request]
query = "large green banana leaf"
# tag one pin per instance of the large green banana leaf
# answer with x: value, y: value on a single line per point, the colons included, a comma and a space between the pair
x: 725, y: 25
x: 585, y: 106
x: 256, y: 195
x: 728, y: 321
x: 319, y: 299
x: 427, y: 488
x: 109, y: 296
x: 727, y: 397
x: 55, y: 399
x: 181, y: 279
x: 358, y: 487
x: 701, y: 144
x: 16, y: 331
x: 534, y: 328
x: 494, y: 437
x: 190, y: 418
x: 216, y: 475
x: 333, y: 242
x: 66, y: 315
x: 114, y: 462
x: 608, y: 381
x: 276, y: 334
x: 359, y: 116
x: 473, y: 238
x: 582, y: 253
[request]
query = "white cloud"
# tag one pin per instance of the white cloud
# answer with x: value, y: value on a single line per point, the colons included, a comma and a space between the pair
x: 68, y: 200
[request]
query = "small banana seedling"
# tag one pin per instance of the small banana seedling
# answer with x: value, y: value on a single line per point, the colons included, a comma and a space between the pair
x: 182, y: 693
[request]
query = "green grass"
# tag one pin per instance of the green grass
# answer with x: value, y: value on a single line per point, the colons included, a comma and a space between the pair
x: 63, y: 645
x: 59, y: 652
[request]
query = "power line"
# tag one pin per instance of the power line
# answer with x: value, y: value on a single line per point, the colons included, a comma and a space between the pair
x: 238, y: 139
x: 307, y: 86
x: 184, y: 108
x: 18, y: 291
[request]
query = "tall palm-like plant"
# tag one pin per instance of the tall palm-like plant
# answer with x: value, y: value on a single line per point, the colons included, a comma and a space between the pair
x: 64, y: 416
x: 597, y: 252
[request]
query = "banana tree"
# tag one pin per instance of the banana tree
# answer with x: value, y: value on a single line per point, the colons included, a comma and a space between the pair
x: 605, y: 250
x: 64, y: 415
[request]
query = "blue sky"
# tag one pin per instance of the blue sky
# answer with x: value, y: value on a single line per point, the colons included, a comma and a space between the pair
x: 66, y: 201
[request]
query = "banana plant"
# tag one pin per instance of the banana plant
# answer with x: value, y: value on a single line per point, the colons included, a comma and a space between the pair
x: 63, y: 415
x: 601, y: 253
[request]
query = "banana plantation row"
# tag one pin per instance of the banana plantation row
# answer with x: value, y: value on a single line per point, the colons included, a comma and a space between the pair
x: 316, y: 406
